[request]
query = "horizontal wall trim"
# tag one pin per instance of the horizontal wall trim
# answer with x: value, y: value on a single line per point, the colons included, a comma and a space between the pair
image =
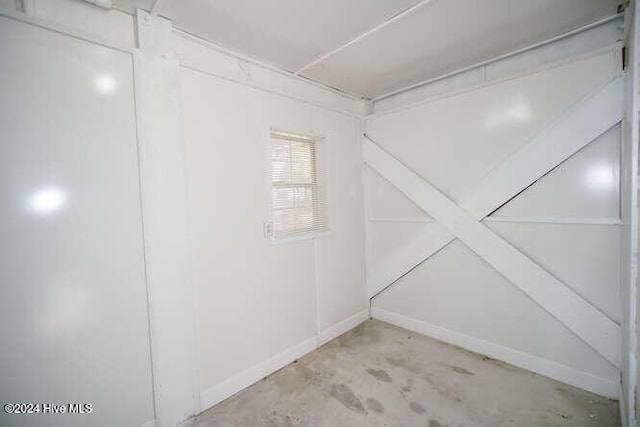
x: 352, y: 107
x: 342, y: 327
x: 424, y: 220
x: 246, y: 58
x: 545, y: 367
x: 577, y: 221
x: 488, y: 83
x: 238, y: 382
x: 62, y: 29
x: 271, y: 91
x: 503, y: 56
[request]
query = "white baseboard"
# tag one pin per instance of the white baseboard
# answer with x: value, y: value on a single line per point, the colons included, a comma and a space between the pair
x: 236, y: 383
x: 548, y: 368
x: 342, y: 327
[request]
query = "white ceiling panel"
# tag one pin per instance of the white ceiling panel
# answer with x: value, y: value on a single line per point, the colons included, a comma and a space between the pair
x: 285, y: 33
x: 445, y: 35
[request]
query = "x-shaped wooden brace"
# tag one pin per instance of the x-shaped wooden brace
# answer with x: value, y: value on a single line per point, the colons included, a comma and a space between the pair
x: 584, y: 122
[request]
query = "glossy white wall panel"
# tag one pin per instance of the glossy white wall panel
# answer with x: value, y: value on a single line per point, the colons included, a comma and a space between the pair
x: 585, y: 186
x: 73, y: 304
x: 585, y: 257
x: 386, y: 202
x: 479, y: 302
x: 453, y: 142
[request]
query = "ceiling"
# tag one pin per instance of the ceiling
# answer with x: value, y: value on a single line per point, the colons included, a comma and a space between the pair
x: 369, y: 48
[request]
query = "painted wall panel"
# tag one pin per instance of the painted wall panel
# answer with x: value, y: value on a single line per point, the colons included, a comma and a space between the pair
x: 340, y: 253
x: 73, y: 303
x: 585, y: 257
x: 389, y: 238
x: 387, y: 203
x: 453, y: 142
x: 247, y: 290
x: 585, y: 186
x: 478, y: 301
x: 256, y: 299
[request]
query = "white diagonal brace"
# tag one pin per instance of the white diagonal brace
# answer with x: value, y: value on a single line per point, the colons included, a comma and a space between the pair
x: 575, y: 129
x: 582, y: 318
x: 428, y: 240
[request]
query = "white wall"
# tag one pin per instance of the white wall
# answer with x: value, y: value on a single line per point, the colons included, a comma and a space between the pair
x: 73, y: 294
x: 257, y: 305
x: 567, y: 222
x: 255, y: 299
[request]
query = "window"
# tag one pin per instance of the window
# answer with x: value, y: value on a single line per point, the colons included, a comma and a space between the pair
x: 297, y: 185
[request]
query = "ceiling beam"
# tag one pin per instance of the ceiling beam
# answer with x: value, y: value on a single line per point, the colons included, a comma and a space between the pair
x: 367, y: 33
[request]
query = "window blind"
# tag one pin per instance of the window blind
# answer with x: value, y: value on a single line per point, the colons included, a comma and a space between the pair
x: 298, y: 185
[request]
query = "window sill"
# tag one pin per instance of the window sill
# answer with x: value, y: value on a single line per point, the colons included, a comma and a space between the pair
x: 298, y: 238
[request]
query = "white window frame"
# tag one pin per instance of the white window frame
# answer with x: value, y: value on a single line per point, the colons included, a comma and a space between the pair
x: 316, y: 139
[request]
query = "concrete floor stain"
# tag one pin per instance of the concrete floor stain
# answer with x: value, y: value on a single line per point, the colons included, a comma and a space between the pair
x: 462, y: 371
x: 374, y: 405
x: 331, y: 387
x: 380, y: 374
x: 417, y: 408
x: 343, y: 394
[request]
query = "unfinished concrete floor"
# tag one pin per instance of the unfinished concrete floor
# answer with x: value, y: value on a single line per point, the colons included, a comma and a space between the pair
x: 381, y: 375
